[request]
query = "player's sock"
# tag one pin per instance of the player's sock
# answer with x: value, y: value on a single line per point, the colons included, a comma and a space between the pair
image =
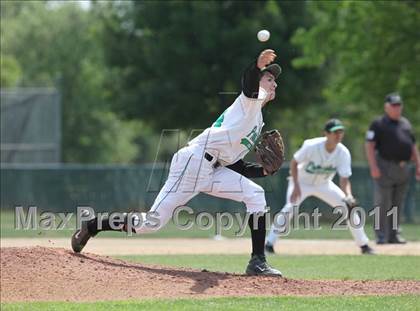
x: 106, y: 226
x: 257, y: 235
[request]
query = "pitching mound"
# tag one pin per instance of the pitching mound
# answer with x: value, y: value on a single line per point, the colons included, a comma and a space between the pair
x: 45, y: 274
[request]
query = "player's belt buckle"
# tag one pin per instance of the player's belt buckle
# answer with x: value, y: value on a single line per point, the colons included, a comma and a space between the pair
x: 210, y: 158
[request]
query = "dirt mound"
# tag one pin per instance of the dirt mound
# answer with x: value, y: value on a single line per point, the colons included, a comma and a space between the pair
x: 42, y: 274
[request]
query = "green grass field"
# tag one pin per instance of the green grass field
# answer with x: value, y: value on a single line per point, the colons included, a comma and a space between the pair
x: 410, y: 231
x: 237, y: 304
x: 295, y: 267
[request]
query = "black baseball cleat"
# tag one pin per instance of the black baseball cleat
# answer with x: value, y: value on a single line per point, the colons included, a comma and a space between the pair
x: 269, y: 249
x: 367, y: 250
x: 81, y: 236
x: 259, y: 266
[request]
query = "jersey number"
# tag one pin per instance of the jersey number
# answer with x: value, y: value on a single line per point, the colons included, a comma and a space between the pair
x: 250, y: 139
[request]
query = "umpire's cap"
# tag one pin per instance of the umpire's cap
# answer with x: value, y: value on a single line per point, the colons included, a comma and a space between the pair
x: 274, y: 69
x: 333, y: 125
x: 393, y: 98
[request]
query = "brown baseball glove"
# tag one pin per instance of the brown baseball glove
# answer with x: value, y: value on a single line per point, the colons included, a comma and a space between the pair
x: 350, y: 202
x: 270, y: 151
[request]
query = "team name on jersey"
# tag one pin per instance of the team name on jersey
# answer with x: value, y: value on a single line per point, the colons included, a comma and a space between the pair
x: 313, y: 168
x: 249, y: 140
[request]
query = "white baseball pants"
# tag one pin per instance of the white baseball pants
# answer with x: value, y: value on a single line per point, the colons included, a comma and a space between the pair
x: 328, y: 192
x: 189, y: 174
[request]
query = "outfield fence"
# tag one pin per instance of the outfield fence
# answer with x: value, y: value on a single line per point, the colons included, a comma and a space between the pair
x: 64, y: 187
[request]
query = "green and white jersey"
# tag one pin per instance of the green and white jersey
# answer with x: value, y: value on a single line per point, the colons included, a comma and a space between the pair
x: 235, y: 132
x: 317, y: 166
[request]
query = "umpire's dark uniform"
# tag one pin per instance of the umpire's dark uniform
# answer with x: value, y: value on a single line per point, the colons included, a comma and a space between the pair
x: 394, y: 143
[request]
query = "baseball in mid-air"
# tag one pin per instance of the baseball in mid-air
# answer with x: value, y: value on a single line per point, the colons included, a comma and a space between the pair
x: 263, y: 35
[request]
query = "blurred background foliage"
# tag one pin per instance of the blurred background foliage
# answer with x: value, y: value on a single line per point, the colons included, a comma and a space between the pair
x: 127, y: 70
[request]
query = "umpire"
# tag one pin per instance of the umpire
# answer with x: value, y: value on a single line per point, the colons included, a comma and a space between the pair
x: 390, y: 144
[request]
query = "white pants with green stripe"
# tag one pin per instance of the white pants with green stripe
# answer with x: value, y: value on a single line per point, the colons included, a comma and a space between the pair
x: 189, y: 174
x: 329, y: 193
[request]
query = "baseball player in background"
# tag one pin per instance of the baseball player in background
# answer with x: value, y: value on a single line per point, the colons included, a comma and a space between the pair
x: 213, y: 163
x: 312, y: 169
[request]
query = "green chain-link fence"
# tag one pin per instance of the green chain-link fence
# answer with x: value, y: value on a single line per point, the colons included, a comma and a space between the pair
x: 63, y: 187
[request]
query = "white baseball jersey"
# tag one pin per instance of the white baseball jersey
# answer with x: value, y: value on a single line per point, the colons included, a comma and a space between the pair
x: 235, y: 132
x: 317, y: 166
x: 229, y: 139
x: 316, y: 169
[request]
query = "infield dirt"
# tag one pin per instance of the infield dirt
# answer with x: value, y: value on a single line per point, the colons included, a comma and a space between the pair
x: 57, y: 274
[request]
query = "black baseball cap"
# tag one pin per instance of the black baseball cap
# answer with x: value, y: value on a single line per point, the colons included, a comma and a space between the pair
x: 333, y: 125
x: 393, y: 98
x: 274, y: 69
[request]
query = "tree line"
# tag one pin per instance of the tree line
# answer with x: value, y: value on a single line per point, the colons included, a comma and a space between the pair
x: 129, y: 69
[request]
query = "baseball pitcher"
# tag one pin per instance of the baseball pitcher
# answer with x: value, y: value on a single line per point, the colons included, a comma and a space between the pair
x: 213, y: 163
